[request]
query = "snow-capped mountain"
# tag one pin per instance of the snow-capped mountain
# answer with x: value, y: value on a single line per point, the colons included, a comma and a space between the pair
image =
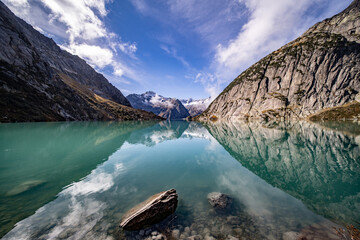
x: 169, y: 108
x: 196, y: 107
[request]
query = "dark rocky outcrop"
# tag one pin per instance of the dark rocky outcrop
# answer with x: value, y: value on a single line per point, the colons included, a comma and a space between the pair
x: 169, y: 108
x: 151, y: 211
x: 41, y: 82
x: 320, y: 69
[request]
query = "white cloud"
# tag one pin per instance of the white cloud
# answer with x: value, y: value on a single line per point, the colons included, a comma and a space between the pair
x: 118, y: 72
x: 19, y: 7
x: 270, y: 25
x: 128, y: 48
x: 79, y: 17
x: 95, y: 55
x: 17, y: 3
x: 83, y: 24
x: 210, y: 82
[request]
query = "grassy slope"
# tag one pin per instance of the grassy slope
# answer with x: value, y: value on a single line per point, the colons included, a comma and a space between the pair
x: 349, y: 111
x: 111, y: 110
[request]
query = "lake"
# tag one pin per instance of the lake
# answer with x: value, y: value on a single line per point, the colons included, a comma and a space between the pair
x: 76, y: 180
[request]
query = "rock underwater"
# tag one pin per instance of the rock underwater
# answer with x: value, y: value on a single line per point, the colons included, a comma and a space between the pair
x: 151, y: 211
x: 219, y: 200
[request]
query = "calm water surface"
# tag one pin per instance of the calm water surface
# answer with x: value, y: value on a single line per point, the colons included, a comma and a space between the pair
x: 76, y: 180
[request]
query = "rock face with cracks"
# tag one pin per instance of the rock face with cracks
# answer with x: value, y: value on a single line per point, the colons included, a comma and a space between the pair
x: 318, y: 70
x: 151, y: 211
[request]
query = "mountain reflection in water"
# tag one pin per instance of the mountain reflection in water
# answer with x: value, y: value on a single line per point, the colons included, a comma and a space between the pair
x: 285, y: 170
x: 317, y: 165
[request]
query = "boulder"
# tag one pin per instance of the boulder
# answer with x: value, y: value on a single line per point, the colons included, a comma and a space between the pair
x: 219, y: 200
x: 151, y: 211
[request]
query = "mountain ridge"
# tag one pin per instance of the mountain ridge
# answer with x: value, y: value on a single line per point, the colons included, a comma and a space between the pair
x: 169, y: 108
x: 35, y: 75
x: 318, y: 70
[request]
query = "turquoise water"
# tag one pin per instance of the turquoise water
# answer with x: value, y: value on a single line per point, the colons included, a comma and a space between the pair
x: 76, y: 180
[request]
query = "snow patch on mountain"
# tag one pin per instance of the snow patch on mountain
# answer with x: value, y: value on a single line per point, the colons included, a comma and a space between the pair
x: 169, y: 108
x: 196, y: 107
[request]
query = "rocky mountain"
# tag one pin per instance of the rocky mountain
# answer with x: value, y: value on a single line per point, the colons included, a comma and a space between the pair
x: 169, y: 108
x: 41, y: 82
x: 196, y: 107
x: 319, y: 70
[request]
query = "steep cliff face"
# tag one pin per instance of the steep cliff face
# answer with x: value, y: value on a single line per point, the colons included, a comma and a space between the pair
x: 319, y: 70
x: 41, y: 82
x: 169, y: 108
x: 317, y: 165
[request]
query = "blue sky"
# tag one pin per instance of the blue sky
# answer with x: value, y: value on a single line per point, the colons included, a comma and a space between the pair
x: 177, y: 48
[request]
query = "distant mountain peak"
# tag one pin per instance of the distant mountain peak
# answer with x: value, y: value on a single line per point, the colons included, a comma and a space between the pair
x: 150, y: 93
x: 166, y: 107
x: 196, y: 107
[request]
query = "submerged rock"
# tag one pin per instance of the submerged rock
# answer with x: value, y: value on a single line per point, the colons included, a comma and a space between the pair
x: 24, y: 187
x: 194, y: 237
x: 151, y: 211
x: 290, y: 235
x: 209, y: 238
x: 175, y: 233
x: 231, y: 238
x: 219, y: 200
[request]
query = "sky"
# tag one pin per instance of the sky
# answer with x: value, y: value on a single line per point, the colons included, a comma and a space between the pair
x: 176, y: 48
